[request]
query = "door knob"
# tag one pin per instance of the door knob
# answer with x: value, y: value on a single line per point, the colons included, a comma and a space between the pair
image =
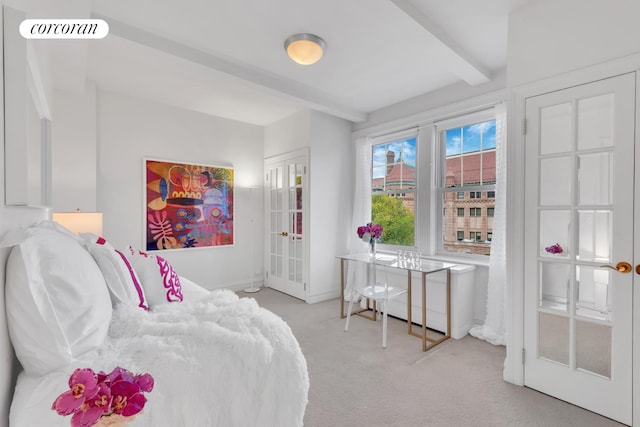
x: 284, y: 234
x: 622, y: 267
x: 638, y: 269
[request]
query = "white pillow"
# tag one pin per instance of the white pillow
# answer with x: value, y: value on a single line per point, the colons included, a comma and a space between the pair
x: 58, y: 305
x: 120, y: 276
x: 160, y: 282
x: 17, y: 235
x: 192, y: 290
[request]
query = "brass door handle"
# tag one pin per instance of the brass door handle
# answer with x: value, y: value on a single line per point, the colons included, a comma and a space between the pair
x: 284, y: 234
x: 638, y: 269
x: 622, y: 267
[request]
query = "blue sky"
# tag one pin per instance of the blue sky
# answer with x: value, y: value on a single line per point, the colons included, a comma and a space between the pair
x: 470, y: 137
x: 379, y: 156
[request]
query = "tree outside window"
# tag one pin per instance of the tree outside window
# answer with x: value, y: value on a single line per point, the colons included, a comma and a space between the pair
x: 393, y: 189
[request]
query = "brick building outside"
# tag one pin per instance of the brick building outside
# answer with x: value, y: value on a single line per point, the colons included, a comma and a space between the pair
x: 468, y: 215
x: 399, y: 176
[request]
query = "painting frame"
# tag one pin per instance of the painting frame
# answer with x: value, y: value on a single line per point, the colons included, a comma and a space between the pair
x: 187, y: 205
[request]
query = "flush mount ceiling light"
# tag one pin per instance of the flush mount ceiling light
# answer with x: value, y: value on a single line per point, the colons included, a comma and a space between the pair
x: 305, y: 49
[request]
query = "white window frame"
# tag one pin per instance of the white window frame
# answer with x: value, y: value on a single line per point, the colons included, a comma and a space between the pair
x: 439, y: 152
x: 393, y: 137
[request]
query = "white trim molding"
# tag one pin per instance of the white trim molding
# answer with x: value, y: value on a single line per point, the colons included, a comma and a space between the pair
x: 429, y: 117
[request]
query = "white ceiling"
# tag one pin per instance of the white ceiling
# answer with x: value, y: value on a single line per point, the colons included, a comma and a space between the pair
x: 226, y: 58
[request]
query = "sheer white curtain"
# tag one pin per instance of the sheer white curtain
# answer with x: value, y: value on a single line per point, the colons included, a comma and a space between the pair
x: 361, y: 209
x: 493, y: 329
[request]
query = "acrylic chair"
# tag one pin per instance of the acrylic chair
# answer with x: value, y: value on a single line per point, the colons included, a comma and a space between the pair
x: 378, y: 291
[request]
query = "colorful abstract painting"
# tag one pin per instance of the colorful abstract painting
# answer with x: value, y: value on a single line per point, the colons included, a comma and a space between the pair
x: 187, y: 205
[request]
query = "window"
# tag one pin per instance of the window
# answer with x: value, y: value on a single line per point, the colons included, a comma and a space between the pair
x: 460, y: 235
x: 393, y: 189
x: 460, y: 211
x: 467, y: 167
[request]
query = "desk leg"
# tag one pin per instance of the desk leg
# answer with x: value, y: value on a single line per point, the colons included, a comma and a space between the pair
x: 448, y: 303
x: 342, y: 315
x: 424, y: 312
x: 423, y: 335
x: 359, y: 312
x: 409, y: 301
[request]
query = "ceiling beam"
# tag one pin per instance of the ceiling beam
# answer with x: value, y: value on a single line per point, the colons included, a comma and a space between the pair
x: 463, y: 64
x: 296, y: 91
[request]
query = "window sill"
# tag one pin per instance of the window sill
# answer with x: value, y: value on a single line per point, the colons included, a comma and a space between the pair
x: 478, y: 262
x: 468, y: 261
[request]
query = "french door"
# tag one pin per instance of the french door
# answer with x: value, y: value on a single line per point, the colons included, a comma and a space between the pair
x: 579, y: 245
x: 286, y: 199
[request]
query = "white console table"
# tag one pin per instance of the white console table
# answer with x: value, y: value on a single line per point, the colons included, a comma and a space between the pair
x: 424, y: 267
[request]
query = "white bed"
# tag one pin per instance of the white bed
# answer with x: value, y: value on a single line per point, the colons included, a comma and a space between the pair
x: 217, y: 360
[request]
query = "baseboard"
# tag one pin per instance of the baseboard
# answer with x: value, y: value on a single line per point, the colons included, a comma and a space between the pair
x: 239, y: 285
x: 326, y: 296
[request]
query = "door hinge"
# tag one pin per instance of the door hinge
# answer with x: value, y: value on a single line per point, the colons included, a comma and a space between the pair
x: 305, y: 286
x: 523, y: 353
x: 305, y: 170
x: 266, y: 274
x: 524, y: 126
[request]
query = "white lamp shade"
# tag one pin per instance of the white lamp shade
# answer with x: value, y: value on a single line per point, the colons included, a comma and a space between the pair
x: 80, y: 222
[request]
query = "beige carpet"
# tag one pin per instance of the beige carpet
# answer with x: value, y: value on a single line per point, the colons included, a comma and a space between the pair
x: 355, y: 382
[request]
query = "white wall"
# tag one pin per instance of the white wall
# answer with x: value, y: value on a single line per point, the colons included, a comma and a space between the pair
x: 288, y: 134
x: 330, y: 190
x: 74, y: 157
x: 331, y: 202
x: 550, y: 37
x: 130, y: 129
x: 10, y: 217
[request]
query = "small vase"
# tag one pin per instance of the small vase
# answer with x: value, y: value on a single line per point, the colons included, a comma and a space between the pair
x: 114, y: 420
x: 372, y: 248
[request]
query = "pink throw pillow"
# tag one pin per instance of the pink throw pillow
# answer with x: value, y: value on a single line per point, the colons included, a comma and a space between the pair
x: 160, y: 281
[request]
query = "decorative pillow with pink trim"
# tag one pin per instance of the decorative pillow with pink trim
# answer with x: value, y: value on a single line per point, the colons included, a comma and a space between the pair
x: 160, y: 281
x: 123, y: 282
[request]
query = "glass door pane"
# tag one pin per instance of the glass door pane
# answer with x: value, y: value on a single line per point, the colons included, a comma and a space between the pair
x: 276, y: 201
x: 295, y: 189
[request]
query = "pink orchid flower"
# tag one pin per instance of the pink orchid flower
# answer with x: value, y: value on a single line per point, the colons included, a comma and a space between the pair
x: 554, y: 249
x: 93, y: 408
x: 84, y: 385
x: 127, y: 398
x: 376, y: 230
x: 369, y: 231
x: 145, y: 382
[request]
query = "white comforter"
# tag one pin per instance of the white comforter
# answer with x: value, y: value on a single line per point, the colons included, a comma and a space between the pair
x: 218, y: 360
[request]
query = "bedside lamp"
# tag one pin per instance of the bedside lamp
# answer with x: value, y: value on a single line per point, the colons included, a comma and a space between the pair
x: 80, y: 222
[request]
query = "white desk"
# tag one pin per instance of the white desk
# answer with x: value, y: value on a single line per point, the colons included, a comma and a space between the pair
x: 424, y: 267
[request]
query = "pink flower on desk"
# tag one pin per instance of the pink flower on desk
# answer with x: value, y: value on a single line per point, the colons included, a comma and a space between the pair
x: 370, y: 231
